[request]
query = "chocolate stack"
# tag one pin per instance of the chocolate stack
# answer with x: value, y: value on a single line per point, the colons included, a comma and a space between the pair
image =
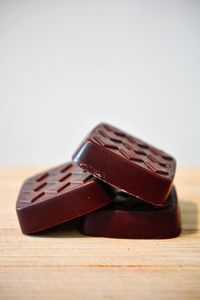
x: 121, y: 186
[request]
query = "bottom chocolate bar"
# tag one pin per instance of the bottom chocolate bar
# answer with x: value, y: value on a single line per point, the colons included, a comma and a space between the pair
x: 127, y: 217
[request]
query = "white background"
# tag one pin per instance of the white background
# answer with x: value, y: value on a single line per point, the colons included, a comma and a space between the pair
x: 67, y: 65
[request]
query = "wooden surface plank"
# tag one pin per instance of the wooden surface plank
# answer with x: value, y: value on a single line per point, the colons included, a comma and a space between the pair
x: 62, y: 264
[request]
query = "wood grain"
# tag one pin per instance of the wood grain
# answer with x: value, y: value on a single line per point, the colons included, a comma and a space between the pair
x: 62, y: 264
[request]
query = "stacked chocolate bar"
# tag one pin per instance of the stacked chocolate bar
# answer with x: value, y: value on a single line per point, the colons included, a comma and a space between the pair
x: 121, y: 186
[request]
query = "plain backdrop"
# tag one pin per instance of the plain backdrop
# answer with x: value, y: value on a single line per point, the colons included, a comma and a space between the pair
x: 67, y: 65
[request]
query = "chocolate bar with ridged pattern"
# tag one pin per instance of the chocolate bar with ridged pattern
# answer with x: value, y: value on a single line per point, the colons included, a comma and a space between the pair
x: 127, y: 163
x: 58, y: 195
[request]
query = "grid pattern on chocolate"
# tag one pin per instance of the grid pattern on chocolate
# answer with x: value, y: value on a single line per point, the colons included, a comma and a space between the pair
x: 49, y: 184
x: 134, y: 150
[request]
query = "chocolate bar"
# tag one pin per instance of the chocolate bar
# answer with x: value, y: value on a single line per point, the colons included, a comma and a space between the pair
x: 127, y: 217
x: 59, y: 195
x: 127, y: 163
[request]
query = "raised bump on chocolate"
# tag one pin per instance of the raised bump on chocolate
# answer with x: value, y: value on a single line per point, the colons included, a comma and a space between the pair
x: 127, y: 163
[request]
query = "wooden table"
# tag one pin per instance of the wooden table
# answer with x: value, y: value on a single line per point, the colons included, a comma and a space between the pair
x: 62, y: 264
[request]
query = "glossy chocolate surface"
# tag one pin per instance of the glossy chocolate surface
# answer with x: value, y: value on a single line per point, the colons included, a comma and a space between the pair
x: 127, y: 163
x: 59, y: 195
x: 131, y: 218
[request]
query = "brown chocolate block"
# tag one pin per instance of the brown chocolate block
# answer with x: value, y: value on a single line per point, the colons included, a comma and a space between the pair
x: 59, y: 195
x: 127, y: 163
x: 134, y: 219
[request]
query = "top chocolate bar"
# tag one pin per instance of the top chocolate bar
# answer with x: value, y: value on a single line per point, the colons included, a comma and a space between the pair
x: 127, y: 163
